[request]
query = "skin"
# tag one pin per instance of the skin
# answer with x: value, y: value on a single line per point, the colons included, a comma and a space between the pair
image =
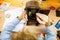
x: 2, y: 16
x: 2, y: 19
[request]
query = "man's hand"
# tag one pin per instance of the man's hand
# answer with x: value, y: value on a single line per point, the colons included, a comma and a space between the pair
x: 43, y: 19
x: 22, y: 16
x: 48, y: 23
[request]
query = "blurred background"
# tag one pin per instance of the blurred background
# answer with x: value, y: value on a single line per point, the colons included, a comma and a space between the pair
x: 12, y: 8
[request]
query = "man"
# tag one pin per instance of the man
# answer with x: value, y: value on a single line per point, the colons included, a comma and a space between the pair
x: 21, y: 20
x: 6, y: 32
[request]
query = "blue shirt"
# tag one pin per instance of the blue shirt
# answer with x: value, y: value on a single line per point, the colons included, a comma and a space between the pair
x: 9, y: 27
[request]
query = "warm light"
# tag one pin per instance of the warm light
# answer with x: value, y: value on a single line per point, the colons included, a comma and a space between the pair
x: 1, y: 1
x: 40, y: 1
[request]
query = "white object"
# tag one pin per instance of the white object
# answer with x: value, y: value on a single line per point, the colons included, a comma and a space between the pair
x: 11, y: 15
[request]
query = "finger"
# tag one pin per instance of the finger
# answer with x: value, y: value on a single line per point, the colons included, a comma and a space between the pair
x: 41, y: 22
x: 38, y: 15
x: 26, y: 17
x: 23, y: 14
x: 42, y: 16
x: 39, y: 18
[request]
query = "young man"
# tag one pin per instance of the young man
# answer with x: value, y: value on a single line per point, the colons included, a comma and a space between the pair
x: 6, y: 32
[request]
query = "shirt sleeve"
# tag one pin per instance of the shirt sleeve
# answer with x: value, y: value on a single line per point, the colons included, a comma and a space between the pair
x: 51, y: 34
x: 6, y: 31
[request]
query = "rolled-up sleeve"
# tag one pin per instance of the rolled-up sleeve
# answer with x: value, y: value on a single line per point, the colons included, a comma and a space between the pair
x: 51, y: 34
x: 6, y: 31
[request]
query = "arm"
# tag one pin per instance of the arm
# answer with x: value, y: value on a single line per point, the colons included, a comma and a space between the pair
x: 6, y: 32
x: 51, y: 34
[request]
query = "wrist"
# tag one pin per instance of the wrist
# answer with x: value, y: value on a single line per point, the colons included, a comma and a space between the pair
x: 18, y: 17
x: 49, y: 24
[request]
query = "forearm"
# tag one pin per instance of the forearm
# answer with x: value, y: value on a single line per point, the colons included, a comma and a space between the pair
x: 51, y: 34
x: 6, y: 31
